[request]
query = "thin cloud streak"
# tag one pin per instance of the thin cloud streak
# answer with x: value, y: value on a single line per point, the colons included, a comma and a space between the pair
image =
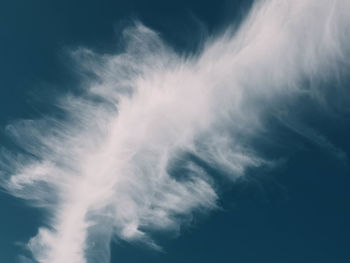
x: 104, y: 170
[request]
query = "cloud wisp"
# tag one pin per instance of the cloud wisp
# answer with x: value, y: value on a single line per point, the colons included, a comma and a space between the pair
x: 104, y: 169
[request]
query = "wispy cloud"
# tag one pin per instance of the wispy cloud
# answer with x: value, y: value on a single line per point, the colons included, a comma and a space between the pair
x: 104, y: 169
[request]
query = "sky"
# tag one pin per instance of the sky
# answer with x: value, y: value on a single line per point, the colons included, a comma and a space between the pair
x: 174, y: 131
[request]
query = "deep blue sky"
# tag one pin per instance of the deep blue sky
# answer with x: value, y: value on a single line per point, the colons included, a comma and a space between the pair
x: 298, y: 212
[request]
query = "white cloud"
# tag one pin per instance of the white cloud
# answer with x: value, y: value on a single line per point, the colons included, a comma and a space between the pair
x: 103, y: 169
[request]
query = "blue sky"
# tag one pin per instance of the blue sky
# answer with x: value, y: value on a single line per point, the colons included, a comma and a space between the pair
x: 174, y: 131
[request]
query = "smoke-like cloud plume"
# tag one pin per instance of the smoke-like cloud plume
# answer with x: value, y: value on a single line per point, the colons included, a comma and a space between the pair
x: 108, y: 166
